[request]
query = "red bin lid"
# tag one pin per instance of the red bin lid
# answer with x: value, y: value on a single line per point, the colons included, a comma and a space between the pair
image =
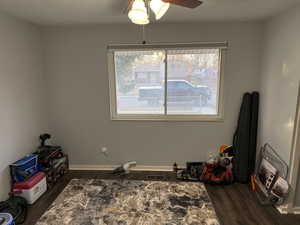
x: 28, y: 184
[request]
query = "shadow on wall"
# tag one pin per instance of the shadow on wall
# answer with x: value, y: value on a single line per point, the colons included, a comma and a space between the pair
x: 5, y: 183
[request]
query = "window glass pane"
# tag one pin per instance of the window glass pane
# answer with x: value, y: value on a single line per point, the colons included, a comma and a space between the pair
x: 193, y: 81
x: 140, y: 82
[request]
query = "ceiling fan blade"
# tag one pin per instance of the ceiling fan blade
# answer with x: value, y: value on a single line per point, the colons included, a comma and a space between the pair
x: 128, y: 6
x: 185, y: 3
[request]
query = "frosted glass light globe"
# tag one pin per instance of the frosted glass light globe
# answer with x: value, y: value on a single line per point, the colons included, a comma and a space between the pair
x: 138, y: 13
x: 159, y: 8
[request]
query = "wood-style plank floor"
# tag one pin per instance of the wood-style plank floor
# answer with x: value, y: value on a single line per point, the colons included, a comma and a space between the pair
x: 234, y: 204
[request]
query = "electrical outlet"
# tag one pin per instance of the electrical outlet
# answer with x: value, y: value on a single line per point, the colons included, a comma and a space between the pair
x: 104, y: 150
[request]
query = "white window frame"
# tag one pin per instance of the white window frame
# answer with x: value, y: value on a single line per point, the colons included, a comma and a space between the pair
x: 222, y: 46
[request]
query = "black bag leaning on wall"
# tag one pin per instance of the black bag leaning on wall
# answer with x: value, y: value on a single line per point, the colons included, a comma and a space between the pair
x: 244, y: 140
x: 253, y: 132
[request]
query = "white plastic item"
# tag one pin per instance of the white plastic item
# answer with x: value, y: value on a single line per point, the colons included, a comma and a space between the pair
x: 32, y: 189
x: 36, y: 192
x: 128, y: 165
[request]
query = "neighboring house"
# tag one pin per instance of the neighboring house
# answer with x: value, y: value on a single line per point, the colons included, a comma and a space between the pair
x: 150, y: 75
x: 205, y: 73
x: 205, y: 76
x: 154, y: 74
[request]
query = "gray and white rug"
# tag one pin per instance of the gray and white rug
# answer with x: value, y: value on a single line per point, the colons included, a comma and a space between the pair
x: 131, y: 202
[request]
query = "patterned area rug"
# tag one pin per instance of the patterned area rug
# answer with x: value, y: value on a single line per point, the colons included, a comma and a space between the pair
x: 131, y: 202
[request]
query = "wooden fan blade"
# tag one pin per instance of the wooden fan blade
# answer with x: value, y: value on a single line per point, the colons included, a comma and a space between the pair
x: 128, y: 6
x: 185, y: 3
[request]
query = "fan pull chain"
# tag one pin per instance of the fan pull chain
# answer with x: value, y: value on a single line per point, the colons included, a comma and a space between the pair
x: 144, y: 26
x: 144, y: 35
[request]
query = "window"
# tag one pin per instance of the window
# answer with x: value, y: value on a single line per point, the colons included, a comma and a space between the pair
x: 181, y: 82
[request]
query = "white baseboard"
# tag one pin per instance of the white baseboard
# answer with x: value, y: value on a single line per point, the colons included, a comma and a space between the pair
x: 284, y: 210
x: 112, y: 167
x: 296, y: 210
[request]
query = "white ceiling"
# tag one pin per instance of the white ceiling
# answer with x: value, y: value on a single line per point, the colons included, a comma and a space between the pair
x: 50, y: 12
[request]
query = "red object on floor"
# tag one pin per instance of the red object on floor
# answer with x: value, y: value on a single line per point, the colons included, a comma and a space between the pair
x: 26, y: 185
x: 31, y: 189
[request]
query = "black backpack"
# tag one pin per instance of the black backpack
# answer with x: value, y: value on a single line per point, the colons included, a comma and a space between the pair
x: 244, y: 140
x: 15, y: 206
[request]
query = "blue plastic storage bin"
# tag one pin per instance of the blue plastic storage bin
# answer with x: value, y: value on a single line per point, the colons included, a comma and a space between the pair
x: 6, y: 219
x: 24, y: 168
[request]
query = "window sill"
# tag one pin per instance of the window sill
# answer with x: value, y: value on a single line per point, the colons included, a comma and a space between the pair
x: 195, y: 118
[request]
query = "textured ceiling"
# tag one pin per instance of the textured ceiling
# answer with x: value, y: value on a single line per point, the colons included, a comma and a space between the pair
x: 50, y: 12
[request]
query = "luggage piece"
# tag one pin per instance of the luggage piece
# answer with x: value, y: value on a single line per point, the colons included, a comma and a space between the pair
x: 241, y: 141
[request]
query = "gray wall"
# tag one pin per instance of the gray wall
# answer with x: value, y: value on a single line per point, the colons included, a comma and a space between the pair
x: 22, y: 115
x: 280, y: 81
x: 76, y: 66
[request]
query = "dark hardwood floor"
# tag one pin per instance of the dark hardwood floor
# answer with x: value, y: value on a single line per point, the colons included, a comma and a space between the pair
x: 234, y: 204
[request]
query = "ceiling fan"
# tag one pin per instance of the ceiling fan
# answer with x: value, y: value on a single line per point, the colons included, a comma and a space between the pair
x: 138, y: 10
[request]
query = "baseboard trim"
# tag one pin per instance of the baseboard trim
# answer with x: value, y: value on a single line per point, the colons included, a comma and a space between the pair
x: 284, y: 209
x: 296, y: 210
x: 112, y: 167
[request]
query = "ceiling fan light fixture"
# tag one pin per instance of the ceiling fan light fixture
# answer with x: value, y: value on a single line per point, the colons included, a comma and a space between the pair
x: 138, y: 13
x: 141, y: 21
x: 159, y: 8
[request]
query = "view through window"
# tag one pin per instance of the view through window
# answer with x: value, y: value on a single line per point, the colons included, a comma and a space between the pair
x: 167, y: 82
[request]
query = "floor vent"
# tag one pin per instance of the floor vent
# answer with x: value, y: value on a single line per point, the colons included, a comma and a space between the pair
x: 156, y: 177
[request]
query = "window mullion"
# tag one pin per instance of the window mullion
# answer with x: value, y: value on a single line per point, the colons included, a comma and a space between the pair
x: 166, y: 83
